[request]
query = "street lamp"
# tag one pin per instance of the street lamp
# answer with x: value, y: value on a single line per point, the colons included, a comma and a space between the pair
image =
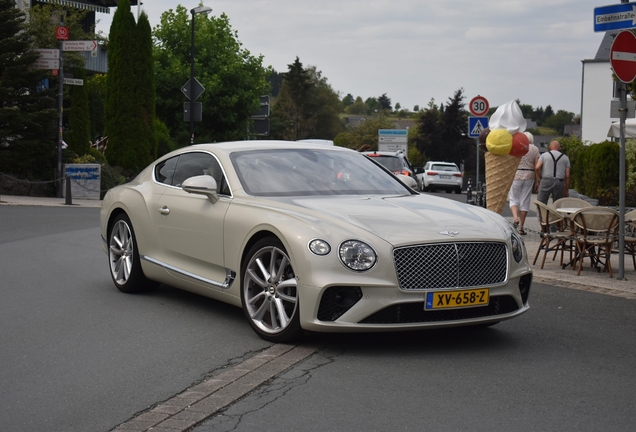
x: 197, y: 10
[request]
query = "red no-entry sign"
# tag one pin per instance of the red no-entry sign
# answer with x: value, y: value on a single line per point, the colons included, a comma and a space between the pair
x: 623, y: 56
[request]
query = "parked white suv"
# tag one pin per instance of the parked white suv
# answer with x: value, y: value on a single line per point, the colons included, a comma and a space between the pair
x: 441, y: 175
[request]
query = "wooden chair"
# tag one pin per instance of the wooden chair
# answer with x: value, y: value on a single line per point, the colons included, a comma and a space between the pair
x: 596, y: 229
x: 549, y: 217
x: 630, y: 235
x: 570, y: 202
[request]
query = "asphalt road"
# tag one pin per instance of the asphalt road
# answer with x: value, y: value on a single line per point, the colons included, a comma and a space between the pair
x: 78, y: 355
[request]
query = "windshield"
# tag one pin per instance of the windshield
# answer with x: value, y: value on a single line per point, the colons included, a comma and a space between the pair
x: 392, y: 163
x: 303, y: 172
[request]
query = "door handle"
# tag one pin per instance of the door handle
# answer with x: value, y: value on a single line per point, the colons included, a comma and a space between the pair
x: 164, y: 210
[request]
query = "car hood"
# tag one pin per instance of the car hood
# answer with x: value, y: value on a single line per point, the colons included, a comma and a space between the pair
x: 409, y: 219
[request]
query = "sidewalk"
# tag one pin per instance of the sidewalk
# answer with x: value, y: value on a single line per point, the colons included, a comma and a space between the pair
x: 589, y: 279
x: 552, y: 273
x: 10, y: 200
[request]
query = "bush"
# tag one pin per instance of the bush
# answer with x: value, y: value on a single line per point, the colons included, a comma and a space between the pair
x: 110, y: 179
x: 610, y: 197
x: 596, y: 168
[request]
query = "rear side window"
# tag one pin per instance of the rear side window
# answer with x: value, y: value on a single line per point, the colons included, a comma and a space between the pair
x: 164, y: 171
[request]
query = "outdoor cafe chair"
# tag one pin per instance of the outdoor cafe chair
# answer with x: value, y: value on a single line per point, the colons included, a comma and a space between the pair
x: 630, y: 235
x: 570, y: 202
x: 552, y: 241
x: 595, y: 229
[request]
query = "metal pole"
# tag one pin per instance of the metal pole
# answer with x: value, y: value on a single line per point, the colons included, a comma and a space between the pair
x: 477, y: 164
x: 60, y: 108
x: 621, y: 181
x: 192, y: 83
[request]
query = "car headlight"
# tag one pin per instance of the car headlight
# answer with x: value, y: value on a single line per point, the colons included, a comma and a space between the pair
x: 357, y: 255
x: 319, y: 247
x: 517, y: 247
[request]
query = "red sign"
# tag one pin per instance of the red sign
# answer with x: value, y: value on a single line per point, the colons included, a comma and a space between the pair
x: 61, y: 33
x: 54, y: 72
x: 623, y: 56
x: 479, y: 106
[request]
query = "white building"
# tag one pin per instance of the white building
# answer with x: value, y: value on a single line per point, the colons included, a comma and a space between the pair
x: 598, y: 90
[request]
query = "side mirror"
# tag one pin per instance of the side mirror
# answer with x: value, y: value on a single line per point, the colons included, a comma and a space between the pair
x: 202, y: 185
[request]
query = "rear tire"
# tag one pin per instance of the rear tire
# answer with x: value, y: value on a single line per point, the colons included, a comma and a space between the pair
x: 269, y: 292
x: 458, y: 191
x: 124, y: 260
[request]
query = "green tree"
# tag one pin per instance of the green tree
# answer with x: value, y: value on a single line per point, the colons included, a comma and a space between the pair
x: 307, y: 106
x: 119, y: 105
x: 385, y: 102
x: 27, y: 110
x: 357, y: 107
x: 233, y: 79
x: 373, y: 105
x: 145, y: 88
x: 559, y: 120
x: 428, y: 139
x: 348, y: 100
x: 128, y: 107
x: 96, y: 89
x: 364, y: 136
x: 442, y: 134
x: 78, y: 133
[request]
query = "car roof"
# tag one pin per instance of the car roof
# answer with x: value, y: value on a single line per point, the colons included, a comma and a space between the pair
x: 442, y: 163
x: 248, y: 145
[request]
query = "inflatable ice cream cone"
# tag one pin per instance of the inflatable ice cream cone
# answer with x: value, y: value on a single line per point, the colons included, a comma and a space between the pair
x: 500, y: 172
x: 506, y: 144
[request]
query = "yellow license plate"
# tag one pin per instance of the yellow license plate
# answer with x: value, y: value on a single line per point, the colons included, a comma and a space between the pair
x: 456, y: 299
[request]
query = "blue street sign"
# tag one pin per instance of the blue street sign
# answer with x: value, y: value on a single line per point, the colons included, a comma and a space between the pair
x: 476, y: 125
x: 615, y: 17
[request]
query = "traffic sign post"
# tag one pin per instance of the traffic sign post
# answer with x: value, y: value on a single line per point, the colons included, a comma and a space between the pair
x: 77, y: 45
x: 476, y: 125
x: 61, y: 33
x: 479, y: 106
x: 615, y: 17
x: 623, y: 56
x: 623, y: 60
x: 194, y: 87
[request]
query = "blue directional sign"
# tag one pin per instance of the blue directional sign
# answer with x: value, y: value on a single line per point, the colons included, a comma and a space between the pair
x: 476, y: 125
x: 615, y: 17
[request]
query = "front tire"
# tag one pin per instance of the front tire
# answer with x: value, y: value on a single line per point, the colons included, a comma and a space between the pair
x: 124, y: 260
x: 269, y: 292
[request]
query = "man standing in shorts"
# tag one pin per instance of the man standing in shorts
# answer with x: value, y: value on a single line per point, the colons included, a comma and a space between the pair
x: 553, y: 174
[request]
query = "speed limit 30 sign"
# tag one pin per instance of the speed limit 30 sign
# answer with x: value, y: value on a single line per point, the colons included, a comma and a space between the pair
x: 479, y: 106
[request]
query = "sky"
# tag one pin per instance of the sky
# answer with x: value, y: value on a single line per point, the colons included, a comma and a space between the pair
x: 418, y: 50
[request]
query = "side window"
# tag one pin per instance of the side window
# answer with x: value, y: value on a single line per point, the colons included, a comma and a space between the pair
x: 164, y: 171
x: 190, y: 165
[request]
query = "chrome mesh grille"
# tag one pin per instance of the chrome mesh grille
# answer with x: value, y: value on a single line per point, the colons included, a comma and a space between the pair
x: 450, y: 265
